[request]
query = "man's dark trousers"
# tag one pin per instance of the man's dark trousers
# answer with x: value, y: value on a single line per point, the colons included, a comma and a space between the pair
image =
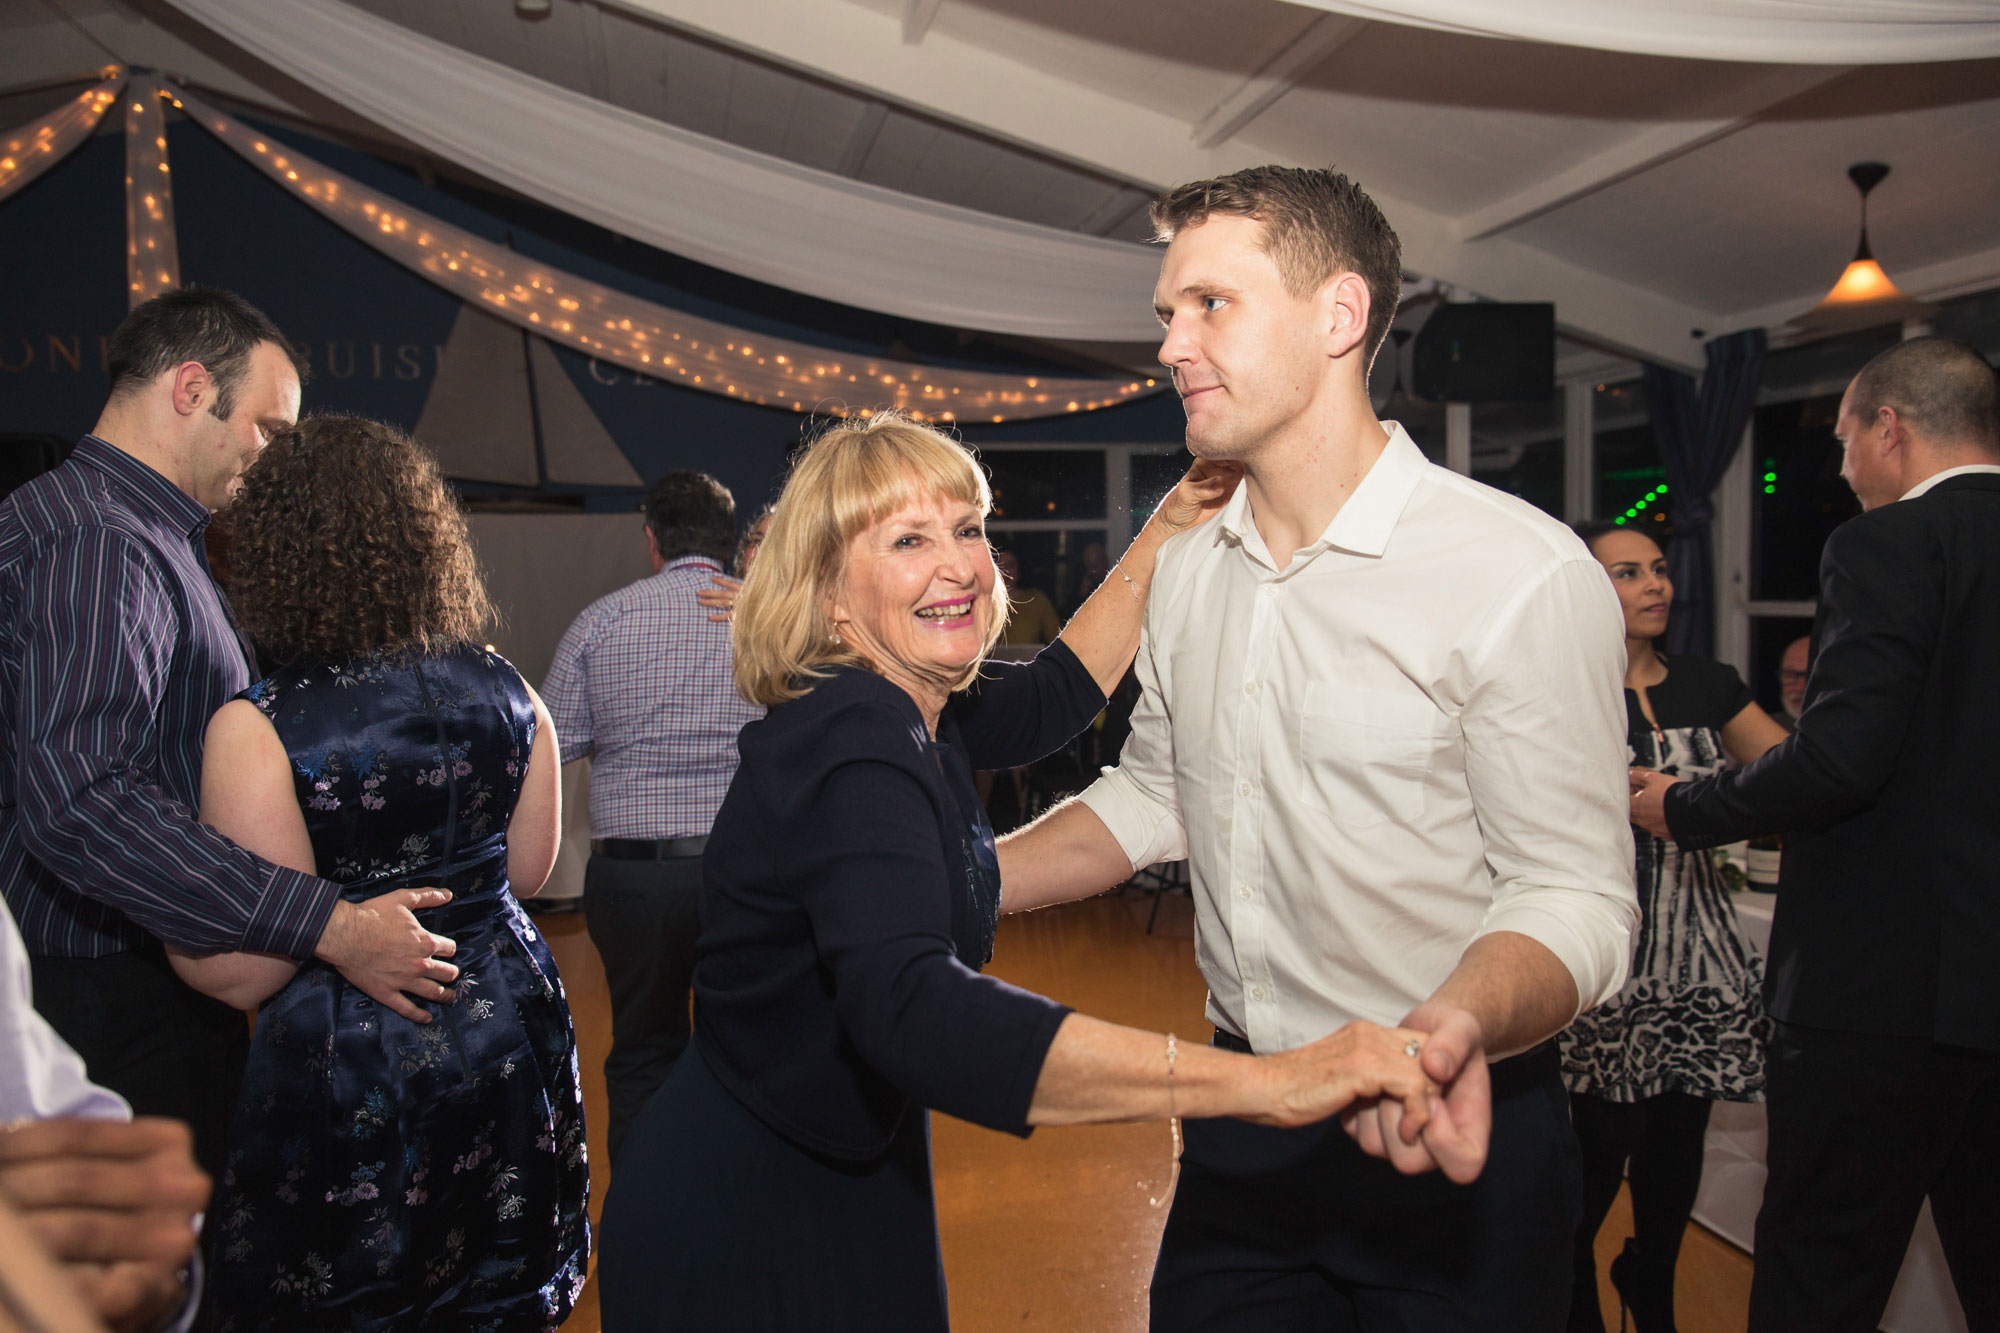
x: 145, y: 1034
x: 643, y: 918
x: 1862, y: 1128
x: 1278, y: 1229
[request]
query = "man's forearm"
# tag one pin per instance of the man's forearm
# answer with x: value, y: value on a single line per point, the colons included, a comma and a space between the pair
x: 1066, y: 854
x: 1518, y: 990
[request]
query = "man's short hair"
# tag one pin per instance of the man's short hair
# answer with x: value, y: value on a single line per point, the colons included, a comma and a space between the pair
x: 1317, y: 223
x: 217, y: 328
x: 691, y: 513
x: 1943, y: 388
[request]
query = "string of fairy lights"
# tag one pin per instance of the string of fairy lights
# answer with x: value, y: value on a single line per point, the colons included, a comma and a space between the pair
x: 39, y: 145
x: 152, y: 251
x: 651, y: 339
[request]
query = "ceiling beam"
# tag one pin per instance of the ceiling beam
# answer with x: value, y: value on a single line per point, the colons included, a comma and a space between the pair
x: 1278, y: 76
x: 918, y: 16
x: 1647, y: 149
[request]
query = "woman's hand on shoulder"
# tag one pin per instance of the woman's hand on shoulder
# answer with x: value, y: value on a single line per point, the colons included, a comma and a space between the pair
x: 1360, y: 1060
x: 1198, y: 496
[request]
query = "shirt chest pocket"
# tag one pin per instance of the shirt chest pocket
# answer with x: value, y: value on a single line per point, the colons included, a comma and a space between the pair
x: 1365, y: 754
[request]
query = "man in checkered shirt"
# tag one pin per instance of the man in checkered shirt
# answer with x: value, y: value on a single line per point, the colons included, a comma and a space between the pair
x: 642, y: 684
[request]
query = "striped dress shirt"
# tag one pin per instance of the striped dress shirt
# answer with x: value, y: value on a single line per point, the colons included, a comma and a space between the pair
x: 643, y: 683
x: 115, y: 650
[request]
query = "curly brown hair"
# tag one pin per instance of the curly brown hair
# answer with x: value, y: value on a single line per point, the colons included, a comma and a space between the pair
x: 346, y: 541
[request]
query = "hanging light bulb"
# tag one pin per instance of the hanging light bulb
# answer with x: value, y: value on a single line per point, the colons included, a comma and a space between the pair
x: 1863, y: 294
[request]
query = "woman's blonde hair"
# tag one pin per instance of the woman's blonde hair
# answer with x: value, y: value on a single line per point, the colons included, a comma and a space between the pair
x: 853, y: 476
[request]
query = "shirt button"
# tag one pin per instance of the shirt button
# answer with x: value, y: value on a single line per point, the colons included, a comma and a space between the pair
x: 1250, y: 688
x: 1243, y: 789
x: 1257, y: 993
x: 1243, y: 892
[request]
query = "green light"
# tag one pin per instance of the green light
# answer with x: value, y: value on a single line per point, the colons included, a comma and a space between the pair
x: 1619, y: 521
x: 1770, y: 490
x: 1632, y: 513
x: 1663, y: 488
x: 1770, y: 476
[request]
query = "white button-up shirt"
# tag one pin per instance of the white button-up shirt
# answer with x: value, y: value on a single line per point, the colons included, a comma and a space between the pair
x: 1411, y: 736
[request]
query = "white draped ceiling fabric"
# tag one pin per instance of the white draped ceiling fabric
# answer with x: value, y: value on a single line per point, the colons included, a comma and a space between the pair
x: 651, y: 339
x: 1784, y: 32
x: 760, y: 216
x: 152, y: 251
x: 39, y: 145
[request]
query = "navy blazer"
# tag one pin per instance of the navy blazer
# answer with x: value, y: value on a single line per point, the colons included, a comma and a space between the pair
x: 837, y: 978
x: 1888, y: 914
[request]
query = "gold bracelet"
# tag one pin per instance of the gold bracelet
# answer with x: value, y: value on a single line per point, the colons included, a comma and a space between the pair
x: 1173, y: 1123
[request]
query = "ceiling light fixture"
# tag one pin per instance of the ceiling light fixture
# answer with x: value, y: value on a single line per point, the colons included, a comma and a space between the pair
x: 1863, y: 295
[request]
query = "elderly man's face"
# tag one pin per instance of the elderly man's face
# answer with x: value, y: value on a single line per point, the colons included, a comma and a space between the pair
x: 1792, y: 675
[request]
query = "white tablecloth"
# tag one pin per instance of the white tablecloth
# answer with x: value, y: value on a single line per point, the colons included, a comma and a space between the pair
x: 1732, y: 1186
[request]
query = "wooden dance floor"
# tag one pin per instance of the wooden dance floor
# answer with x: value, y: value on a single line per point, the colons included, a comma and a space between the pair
x: 1055, y: 1234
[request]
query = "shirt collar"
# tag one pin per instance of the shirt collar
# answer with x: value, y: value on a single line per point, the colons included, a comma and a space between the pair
x: 144, y: 484
x: 683, y: 561
x: 1365, y: 522
x: 1934, y: 478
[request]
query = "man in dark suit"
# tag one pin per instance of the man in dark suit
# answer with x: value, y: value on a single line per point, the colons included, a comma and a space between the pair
x: 1884, y: 974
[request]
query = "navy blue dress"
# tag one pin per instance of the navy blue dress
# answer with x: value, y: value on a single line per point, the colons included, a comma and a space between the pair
x: 780, y: 1179
x: 384, y: 1174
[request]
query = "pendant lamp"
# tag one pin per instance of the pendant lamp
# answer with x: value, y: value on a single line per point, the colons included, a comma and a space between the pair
x: 1864, y: 295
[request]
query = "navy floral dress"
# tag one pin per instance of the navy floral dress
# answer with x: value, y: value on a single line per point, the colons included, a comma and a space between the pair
x: 384, y: 1174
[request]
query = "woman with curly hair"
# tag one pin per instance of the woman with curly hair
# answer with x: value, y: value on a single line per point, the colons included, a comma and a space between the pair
x: 384, y: 1172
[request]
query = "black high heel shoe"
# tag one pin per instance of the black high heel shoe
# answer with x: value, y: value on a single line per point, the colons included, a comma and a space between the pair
x: 1651, y: 1311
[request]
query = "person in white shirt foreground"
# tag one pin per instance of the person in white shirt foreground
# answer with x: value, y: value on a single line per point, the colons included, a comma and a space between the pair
x: 1382, y: 719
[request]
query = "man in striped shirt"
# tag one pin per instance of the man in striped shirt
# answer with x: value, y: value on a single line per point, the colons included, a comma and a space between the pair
x: 115, y: 650
x: 643, y: 683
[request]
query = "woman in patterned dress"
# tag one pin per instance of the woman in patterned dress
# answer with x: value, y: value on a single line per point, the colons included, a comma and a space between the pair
x: 422, y: 1166
x: 1688, y: 1028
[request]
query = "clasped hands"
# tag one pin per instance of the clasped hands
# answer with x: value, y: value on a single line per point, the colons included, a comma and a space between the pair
x: 114, y: 1203
x: 1431, y: 1111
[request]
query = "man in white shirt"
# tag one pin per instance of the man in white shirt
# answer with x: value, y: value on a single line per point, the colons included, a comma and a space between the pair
x: 1383, y: 720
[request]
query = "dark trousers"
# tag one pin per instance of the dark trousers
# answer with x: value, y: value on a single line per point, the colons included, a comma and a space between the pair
x: 149, y: 1037
x: 1862, y: 1129
x: 1663, y: 1139
x: 643, y: 919
x: 1274, y: 1230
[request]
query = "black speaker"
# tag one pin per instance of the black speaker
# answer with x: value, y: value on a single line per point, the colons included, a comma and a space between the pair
x: 1486, y: 352
x: 25, y: 457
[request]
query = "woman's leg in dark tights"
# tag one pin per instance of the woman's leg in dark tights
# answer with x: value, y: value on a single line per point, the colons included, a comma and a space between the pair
x: 1666, y: 1176
x: 1608, y: 1132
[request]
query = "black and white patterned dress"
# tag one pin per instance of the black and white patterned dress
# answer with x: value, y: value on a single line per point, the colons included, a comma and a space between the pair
x: 1691, y: 1016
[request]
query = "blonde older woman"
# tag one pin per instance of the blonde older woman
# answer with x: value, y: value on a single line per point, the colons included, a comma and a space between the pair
x: 780, y: 1179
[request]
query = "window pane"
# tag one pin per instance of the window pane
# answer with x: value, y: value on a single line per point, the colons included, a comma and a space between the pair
x: 1769, y: 637
x: 1046, y: 483
x: 1066, y: 565
x: 1796, y: 497
x: 1518, y: 448
x: 1629, y: 482
x: 1153, y: 475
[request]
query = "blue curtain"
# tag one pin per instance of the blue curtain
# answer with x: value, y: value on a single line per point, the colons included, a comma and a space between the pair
x: 1698, y: 431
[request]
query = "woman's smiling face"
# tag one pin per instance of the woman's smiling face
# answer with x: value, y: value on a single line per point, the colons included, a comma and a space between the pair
x: 916, y: 596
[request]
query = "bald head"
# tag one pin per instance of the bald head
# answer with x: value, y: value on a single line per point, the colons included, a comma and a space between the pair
x: 1943, y: 390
